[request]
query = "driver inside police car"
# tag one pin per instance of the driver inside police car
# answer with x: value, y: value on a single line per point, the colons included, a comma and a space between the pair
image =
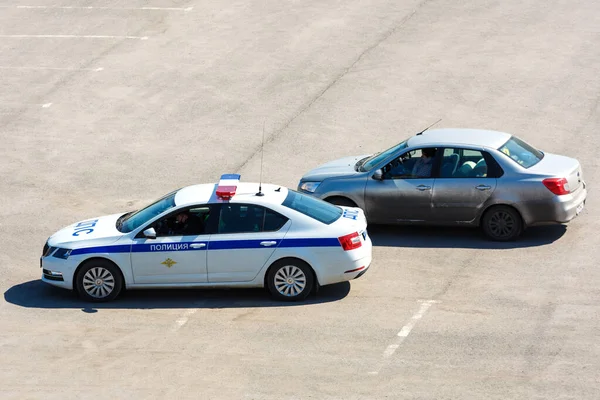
x: 180, y: 224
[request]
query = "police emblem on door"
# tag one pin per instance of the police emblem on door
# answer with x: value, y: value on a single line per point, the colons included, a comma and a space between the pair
x: 168, y: 262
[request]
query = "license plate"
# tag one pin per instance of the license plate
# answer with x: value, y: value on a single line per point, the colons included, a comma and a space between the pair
x: 579, y: 208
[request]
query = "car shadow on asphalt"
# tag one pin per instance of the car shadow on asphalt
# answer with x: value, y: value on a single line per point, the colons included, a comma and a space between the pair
x: 459, y: 237
x: 37, y: 294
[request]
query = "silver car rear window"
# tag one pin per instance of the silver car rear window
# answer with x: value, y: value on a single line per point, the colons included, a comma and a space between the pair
x: 520, y: 152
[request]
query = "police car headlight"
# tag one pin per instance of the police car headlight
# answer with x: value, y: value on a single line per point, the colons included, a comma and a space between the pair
x: 309, y: 186
x: 62, y: 253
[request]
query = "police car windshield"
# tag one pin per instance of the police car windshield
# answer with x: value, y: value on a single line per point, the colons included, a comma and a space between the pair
x: 375, y: 159
x: 140, y: 217
x: 313, y: 207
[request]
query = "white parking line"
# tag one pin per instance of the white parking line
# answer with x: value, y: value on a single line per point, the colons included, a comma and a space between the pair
x: 404, y: 332
x: 53, y: 68
x: 9, y: 104
x: 74, y: 37
x: 183, y: 319
x: 102, y: 8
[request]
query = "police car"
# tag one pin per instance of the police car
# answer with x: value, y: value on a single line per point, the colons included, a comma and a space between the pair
x: 229, y: 234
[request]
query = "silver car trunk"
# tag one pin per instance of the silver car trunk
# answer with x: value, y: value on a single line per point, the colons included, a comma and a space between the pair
x: 558, y: 166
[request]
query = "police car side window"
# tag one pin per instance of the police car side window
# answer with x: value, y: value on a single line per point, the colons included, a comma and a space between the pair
x: 241, y: 218
x: 191, y: 221
x: 273, y: 221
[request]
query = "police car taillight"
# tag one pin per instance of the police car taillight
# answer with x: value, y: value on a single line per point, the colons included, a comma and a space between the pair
x: 227, y: 186
x: 350, y: 242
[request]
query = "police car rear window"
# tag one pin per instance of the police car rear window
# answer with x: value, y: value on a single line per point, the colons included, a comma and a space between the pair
x: 313, y: 207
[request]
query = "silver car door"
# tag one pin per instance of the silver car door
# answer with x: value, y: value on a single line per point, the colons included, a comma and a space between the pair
x: 463, y: 187
x: 403, y: 194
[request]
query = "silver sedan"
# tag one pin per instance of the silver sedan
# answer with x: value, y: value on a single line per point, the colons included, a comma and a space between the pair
x: 470, y: 177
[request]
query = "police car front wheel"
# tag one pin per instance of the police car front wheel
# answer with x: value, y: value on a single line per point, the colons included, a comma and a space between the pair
x: 290, y: 280
x: 98, y: 281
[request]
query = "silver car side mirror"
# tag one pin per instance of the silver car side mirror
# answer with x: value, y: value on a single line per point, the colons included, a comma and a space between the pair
x: 378, y: 175
x: 150, y: 233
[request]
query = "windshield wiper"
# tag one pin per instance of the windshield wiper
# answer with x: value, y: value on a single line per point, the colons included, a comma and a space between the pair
x: 364, y: 160
x: 121, y: 219
x: 359, y: 163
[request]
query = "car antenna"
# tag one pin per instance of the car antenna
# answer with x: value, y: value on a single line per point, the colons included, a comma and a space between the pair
x: 429, y: 126
x: 262, y: 152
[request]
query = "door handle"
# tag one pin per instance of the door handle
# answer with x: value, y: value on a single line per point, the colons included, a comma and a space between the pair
x: 197, y: 245
x: 268, y: 243
x: 423, y: 187
x: 483, y: 187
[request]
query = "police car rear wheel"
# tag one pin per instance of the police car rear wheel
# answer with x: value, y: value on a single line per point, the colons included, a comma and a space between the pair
x: 290, y: 280
x: 98, y: 281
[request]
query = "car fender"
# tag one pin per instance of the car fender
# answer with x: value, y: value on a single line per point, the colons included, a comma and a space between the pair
x: 121, y: 259
x: 307, y: 254
x: 352, y: 188
x: 510, y: 201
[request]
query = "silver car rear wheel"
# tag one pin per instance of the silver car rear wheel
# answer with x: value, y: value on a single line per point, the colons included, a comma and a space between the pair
x: 502, y: 223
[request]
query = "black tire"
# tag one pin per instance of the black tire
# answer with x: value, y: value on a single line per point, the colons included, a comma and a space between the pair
x: 502, y: 224
x: 98, y: 281
x: 341, y: 201
x: 290, y: 279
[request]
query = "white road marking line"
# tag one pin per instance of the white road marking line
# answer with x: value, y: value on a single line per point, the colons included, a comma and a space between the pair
x: 74, y: 37
x: 11, y: 104
x: 390, y: 350
x: 103, y: 8
x: 404, y: 332
x: 54, y: 68
x: 183, y: 319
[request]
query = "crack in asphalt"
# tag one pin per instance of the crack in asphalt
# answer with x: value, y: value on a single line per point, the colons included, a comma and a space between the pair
x: 279, y: 131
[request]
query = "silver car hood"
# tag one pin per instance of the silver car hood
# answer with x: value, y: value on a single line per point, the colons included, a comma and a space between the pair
x: 336, y: 168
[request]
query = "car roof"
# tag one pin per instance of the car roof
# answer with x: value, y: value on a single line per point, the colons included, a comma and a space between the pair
x: 460, y: 136
x: 245, y: 193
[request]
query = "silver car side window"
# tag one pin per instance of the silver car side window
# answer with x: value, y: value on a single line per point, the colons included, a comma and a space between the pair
x: 414, y: 164
x: 463, y: 163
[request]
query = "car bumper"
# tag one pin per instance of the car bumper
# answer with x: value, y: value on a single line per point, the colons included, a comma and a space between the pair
x: 355, y: 265
x: 57, y: 272
x: 561, y: 209
x: 351, y: 271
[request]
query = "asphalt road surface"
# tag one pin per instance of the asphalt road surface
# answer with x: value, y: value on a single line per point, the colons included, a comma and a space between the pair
x: 107, y: 105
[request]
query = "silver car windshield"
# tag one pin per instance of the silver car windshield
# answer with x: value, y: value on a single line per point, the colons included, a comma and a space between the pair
x: 128, y: 223
x: 520, y: 152
x: 375, y: 159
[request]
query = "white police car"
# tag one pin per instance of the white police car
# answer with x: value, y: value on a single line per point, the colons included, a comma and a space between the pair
x: 229, y: 234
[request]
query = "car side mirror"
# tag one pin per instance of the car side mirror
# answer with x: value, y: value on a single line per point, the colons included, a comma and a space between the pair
x: 378, y: 175
x: 150, y: 233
